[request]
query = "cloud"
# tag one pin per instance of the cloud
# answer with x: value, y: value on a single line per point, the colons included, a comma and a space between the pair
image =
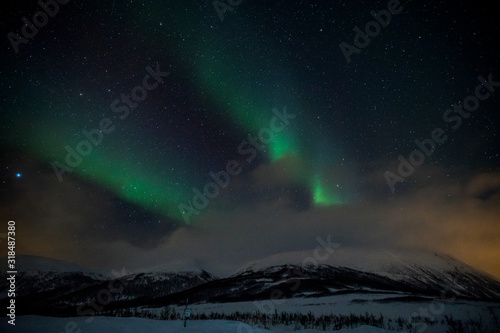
x: 442, y: 216
x: 259, y: 215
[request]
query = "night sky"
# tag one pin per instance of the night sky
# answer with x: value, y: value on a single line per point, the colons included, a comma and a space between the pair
x: 137, y: 133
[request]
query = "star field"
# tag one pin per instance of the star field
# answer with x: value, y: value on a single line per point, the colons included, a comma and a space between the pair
x: 165, y: 93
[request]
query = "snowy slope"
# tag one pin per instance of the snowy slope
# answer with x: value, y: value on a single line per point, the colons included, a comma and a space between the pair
x: 52, y: 290
x: 394, y: 264
x: 48, y: 286
x: 421, y: 269
x: 43, y: 275
x: 36, y: 324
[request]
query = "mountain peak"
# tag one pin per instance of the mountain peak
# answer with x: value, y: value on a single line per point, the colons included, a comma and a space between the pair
x: 422, y: 269
x: 368, y: 260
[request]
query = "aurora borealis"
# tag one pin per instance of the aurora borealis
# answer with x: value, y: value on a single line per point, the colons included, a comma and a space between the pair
x: 151, y: 141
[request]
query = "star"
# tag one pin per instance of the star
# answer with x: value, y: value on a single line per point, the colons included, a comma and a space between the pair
x: 18, y: 175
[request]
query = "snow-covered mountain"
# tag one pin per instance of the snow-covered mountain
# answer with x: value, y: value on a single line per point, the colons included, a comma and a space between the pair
x: 44, y: 276
x: 344, y: 271
x: 421, y: 270
x: 43, y: 283
x: 63, y: 287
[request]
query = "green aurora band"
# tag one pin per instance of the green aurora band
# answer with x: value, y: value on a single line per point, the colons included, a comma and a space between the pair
x: 245, y: 97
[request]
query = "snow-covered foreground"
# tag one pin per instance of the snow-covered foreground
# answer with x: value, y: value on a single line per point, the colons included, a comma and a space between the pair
x: 35, y: 324
x: 390, y: 306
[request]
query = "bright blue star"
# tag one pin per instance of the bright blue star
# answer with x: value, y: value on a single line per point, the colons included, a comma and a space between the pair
x: 18, y: 175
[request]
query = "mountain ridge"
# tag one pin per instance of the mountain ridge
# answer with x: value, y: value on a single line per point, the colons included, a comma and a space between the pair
x: 345, y: 271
